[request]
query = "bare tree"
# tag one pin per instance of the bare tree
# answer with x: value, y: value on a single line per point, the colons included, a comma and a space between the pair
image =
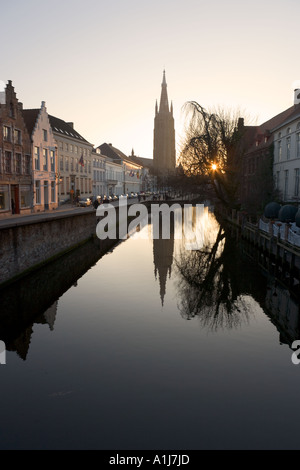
x: 213, y: 147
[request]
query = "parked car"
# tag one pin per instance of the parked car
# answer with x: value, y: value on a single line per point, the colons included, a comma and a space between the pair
x: 106, y: 199
x: 84, y: 202
x: 67, y: 200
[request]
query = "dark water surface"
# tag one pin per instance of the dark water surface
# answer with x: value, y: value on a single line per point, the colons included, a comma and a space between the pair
x: 150, y: 346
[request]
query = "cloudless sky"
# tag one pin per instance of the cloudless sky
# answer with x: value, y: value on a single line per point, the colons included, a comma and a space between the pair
x: 99, y: 63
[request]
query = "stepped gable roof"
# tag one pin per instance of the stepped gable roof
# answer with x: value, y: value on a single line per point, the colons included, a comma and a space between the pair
x: 61, y: 127
x: 30, y: 117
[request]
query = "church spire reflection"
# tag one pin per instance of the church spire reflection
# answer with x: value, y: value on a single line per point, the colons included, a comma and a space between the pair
x: 163, y: 250
x: 163, y: 259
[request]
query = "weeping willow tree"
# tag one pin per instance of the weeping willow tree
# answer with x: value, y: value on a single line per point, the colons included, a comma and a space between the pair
x: 210, y: 286
x: 213, y: 147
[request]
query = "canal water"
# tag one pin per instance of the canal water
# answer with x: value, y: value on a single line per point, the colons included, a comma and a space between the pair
x: 151, y: 345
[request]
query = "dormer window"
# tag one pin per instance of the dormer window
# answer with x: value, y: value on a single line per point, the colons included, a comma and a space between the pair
x: 288, y: 131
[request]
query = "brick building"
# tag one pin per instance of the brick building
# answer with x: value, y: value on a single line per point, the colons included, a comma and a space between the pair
x: 16, y: 192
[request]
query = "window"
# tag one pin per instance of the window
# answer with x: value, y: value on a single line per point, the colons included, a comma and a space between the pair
x: 279, y: 150
x: 66, y: 147
x: 288, y: 148
x: 61, y: 146
x: 296, y: 189
x: 45, y: 134
x: 17, y: 137
x: 37, y: 192
x: 7, y: 162
x: 72, y: 163
x: 53, y: 199
x: 45, y: 159
x: 71, y: 148
x: 36, y: 158
x: 67, y: 164
x: 67, y: 184
x: 75, y: 148
x: 298, y: 145
x: 61, y: 163
x: 7, y: 133
x: 286, y: 183
x: 4, y: 197
x: 52, y: 160
x: 25, y: 196
x: 18, y: 163
x: 27, y: 164
x: 62, y: 185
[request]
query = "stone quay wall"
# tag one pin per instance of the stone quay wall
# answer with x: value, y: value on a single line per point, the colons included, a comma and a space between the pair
x: 27, y: 244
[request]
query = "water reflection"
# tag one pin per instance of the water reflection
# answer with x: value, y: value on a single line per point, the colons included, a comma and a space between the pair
x: 211, y: 286
x: 163, y: 260
x: 34, y: 299
x: 217, y: 284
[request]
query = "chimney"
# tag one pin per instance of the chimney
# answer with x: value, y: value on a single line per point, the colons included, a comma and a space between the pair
x: 297, y: 96
x: 71, y: 124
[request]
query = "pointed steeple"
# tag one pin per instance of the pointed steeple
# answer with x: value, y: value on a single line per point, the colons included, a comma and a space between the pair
x: 164, y: 104
x: 164, y: 153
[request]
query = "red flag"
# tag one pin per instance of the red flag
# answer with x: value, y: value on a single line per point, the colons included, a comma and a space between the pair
x: 81, y: 162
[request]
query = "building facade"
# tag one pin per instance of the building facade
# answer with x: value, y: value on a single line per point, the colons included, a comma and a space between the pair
x: 44, y: 159
x: 16, y: 192
x: 99, y: 177
x: 114, y: 175
x: 286, y: 166
x: 132, y: 171
x: 74, y: 155
x: 268, y: 157
x: 164, y: 152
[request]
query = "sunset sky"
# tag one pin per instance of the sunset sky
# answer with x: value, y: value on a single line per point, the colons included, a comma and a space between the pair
x: 100, y: 63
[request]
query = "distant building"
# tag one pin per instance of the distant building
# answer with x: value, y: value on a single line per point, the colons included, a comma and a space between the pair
x: 44, y: 158
x: 132, y: 170
x: 99, y: 178
x: 16, y: 194
x: 164, y: 153
x: 148, y: 179
x: 74, y: 160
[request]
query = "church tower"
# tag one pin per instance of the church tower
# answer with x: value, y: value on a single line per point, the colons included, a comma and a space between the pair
x: 164, y: 154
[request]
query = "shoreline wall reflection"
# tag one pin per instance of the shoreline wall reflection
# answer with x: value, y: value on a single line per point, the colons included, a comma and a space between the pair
x: 33, y: 299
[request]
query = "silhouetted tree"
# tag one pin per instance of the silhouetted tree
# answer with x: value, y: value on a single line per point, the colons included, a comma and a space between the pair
x: 213, y: 147
x: 211, y: 286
